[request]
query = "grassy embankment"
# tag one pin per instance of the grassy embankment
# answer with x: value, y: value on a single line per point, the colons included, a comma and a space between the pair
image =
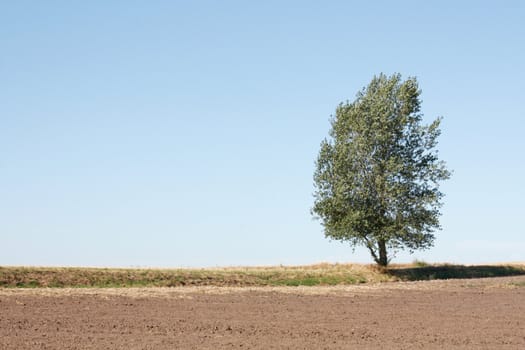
x: 321, y: 274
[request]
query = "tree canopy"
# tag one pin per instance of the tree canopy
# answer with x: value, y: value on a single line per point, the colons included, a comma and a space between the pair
x: 377, y: 175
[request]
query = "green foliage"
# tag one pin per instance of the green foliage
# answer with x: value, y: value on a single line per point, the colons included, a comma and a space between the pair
x: 377, y: 176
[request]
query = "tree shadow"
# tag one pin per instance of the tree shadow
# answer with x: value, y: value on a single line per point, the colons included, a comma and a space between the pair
x: 454, y: 271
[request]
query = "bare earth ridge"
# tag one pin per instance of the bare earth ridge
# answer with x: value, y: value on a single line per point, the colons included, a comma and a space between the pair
x: 459, y: 314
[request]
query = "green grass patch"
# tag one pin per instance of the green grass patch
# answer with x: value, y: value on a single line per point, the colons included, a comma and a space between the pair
x: 517, y: 284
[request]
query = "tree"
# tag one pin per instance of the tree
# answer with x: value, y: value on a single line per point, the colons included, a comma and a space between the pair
x: 377, y: 175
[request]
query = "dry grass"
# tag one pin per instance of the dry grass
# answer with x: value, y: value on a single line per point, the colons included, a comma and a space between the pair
x: 320, y: 274
x: 311, y: 275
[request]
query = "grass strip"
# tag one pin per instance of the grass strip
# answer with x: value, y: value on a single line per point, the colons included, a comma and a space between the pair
x: 312, y: 275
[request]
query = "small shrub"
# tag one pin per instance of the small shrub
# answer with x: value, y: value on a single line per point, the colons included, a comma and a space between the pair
x: 420, y: 263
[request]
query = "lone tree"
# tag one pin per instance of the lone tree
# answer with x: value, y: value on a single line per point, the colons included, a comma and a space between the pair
x: 377, y: 176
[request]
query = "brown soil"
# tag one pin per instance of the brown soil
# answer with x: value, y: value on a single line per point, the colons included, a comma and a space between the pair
x: 464, y: 314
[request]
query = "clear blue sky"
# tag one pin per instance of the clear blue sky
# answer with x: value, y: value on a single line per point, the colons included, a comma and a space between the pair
x: 171, y: 133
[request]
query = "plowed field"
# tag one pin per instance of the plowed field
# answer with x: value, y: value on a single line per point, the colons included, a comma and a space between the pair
x: 449, y: 314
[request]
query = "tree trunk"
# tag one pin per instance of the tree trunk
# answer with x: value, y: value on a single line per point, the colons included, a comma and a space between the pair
x: 383, y: 259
